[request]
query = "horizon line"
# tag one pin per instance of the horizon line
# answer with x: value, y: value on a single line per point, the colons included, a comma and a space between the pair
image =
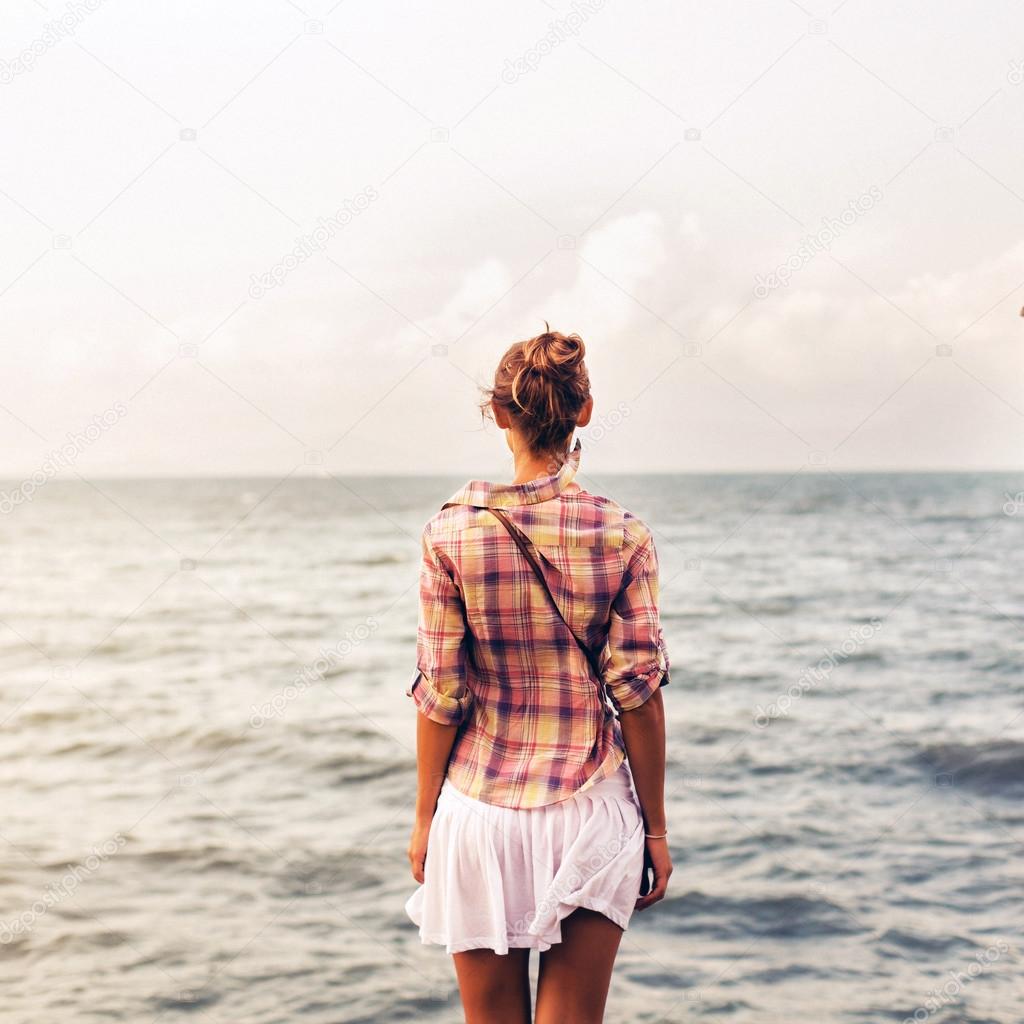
x: 463, y: 474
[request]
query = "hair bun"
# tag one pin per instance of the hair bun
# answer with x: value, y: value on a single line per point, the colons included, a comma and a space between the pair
x: 542, y: 384
x: 556, y: 356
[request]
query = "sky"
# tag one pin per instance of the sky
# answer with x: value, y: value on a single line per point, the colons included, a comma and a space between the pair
x: 273, y: 236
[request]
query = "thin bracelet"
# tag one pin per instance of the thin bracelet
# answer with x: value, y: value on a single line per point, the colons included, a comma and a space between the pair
x: 663, y: 835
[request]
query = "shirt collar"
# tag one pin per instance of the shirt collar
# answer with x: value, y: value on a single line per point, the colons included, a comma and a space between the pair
x: 484, y: 494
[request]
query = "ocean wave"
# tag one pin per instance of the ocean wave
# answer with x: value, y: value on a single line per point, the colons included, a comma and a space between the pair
x: 918, y: 942
x: 945, y: 520
x: 781, y: 975
x: 185, y: 1002
x: 331, y: 874
x: 862, y: 657
x: 380, y: 559
x: 779, y: 917
x: 949, y: 654
x: 992, y: 767
x: 1007, y: 664
x: 197, y: 859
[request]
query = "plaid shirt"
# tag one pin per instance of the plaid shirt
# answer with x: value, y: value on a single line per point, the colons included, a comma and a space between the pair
x: 494, y: 657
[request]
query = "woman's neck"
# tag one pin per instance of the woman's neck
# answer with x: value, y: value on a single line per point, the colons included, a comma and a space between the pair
x: 530, y: 466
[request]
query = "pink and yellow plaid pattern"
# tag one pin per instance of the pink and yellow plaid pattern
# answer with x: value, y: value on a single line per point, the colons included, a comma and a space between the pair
x: 494, y: 658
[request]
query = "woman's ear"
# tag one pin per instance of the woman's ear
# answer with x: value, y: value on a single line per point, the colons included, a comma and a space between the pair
x: 586, y: 412
x: 499, y: 415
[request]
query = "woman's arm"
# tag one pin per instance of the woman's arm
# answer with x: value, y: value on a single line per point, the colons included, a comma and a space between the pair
x: 439, y: 690
x: 433, y: 747
x: 643, y: 734
x: 636, y: 666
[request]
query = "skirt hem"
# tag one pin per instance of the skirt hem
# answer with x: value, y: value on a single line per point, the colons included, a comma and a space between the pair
x: 542, y: 943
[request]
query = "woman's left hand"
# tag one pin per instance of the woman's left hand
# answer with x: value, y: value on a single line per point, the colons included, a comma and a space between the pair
x: 418, y: 847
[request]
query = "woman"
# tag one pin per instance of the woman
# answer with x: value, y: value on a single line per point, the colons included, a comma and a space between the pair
x: 532, y: 829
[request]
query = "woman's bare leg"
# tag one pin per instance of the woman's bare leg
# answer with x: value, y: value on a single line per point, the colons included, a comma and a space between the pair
x: 495, y: 988
x: 572, y: 985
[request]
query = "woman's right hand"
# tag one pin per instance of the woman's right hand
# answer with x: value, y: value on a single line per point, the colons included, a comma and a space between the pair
x: 417, y: 850
x: 656, y: 854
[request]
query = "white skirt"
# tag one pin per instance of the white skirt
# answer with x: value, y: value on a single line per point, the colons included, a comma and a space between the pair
x: 504, y: 878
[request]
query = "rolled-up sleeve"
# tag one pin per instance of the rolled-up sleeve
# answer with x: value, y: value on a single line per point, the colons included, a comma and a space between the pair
x: 438, y: 686
x: 635, y: 660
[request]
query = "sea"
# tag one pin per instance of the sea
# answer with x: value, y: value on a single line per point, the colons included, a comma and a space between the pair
x: 207, y: 753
